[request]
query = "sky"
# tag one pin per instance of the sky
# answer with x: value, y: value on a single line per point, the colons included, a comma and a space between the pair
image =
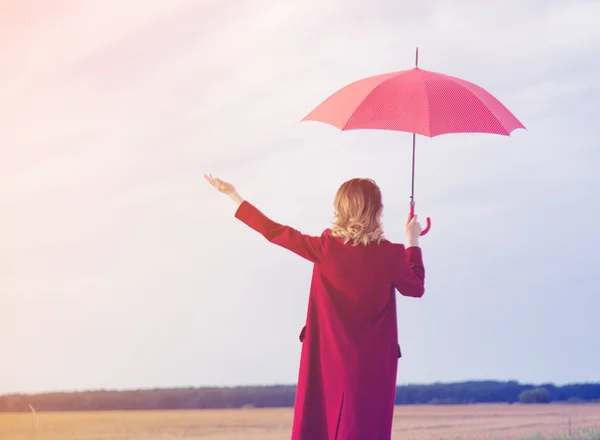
x: 121, y: 268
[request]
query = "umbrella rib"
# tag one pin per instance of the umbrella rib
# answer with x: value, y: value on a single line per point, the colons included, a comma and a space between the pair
x: 392, y: 76
x: 462, y: 84
x: 428, y: 107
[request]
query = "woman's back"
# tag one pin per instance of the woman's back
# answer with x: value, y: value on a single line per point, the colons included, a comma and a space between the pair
x: 364, y: 276
x: 347, y: 378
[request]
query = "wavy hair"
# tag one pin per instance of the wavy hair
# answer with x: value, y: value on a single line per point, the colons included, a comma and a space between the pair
x: 358, y: 208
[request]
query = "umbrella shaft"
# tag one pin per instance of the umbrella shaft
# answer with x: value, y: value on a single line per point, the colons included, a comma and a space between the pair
x: 412, y: 184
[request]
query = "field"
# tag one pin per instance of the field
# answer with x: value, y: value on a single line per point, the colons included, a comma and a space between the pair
x: 467, y: 422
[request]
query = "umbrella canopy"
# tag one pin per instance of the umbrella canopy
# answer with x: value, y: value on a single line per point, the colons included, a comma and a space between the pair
x: 416, y: 101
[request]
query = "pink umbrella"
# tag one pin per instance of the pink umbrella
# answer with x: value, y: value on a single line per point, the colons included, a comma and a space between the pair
x: 419, y: 102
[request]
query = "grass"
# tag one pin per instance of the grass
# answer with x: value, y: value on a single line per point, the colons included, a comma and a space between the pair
x: 426, y: 422
x: 588, y: 434
x: 583, y: 434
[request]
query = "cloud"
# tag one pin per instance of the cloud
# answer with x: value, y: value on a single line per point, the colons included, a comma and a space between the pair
x: 113, y: 246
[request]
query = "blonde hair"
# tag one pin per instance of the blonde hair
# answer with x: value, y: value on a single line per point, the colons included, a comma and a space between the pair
x: 357, y: 212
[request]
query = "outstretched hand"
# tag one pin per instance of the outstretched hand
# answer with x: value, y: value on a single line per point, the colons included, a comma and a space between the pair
x: 225, y: 188
x: 221, y: 186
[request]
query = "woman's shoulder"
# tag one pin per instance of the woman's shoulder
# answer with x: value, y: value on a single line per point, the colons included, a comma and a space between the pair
x: 391, y: 245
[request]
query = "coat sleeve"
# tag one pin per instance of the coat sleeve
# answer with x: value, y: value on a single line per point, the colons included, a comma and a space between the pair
x: 409, y: 272
x: 309, y: 247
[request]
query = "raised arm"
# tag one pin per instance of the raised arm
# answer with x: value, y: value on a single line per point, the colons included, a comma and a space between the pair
x: 309, y: 247
x: 409, y: 271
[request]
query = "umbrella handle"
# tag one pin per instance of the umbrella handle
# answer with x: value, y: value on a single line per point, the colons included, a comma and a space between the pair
x: 426, y: 230
x: 428, y: 220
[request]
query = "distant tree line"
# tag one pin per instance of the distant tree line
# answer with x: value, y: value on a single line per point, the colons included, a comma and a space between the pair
x: 283, y: 396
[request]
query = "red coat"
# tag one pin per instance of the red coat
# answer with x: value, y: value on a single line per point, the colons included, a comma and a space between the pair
x: 347, y: 378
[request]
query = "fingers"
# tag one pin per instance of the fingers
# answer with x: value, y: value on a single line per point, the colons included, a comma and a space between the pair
x: 212, y: 180
x: 219, y: 184
x: 412, y: 224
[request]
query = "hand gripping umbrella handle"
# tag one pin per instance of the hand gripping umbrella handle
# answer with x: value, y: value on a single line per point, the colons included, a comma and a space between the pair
x: 428, y: 220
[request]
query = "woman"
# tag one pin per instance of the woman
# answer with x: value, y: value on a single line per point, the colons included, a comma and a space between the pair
x: 347, y: 378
